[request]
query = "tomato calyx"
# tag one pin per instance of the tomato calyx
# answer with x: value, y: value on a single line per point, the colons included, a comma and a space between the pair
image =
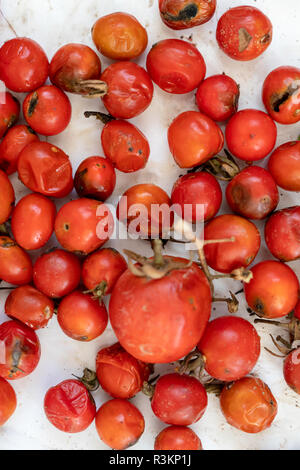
x: 222, y: 167
x: 292, y: 327
x: 232, y: 302
x: 103, y: 117
x: 98, y: 292
x: 89, y: 380
x: 193, y: 364
x: 277, y: 99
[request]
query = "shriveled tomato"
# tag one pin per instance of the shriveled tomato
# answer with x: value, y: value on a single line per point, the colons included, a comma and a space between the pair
x: 291, y: 370
x: 244, y: 32
x: 282, y: 234
x: 69, y: 406
x: 9, y: 112
x: 8, y: 401
x: 24, y: 65
x: 176, y: 66
x: 30, y: 306
x: 274, y: 290
x: 16, y: 139
x: 21, y: 350
x: 177, y: 438
x: 15, y: 264
x: 96, y: 178
x: 248, y: 405
x: 7, y: 197
x: 119, y: 424
x: 183, y: 14
x: 284, y: 166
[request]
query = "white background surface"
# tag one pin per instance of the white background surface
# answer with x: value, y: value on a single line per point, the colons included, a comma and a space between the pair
x: 53, y: 23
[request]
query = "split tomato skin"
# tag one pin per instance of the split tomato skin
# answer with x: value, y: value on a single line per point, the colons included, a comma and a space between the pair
x: 282, y: 234
x: 291, y: 370
x: 8, y: 401
x: 177, y: 438
x: 7, y: 197
x: 284, y: 166
x: 69, y: 406
x: 16, y: 139
x: 95, y: 178
x: 183, y: 14
x: 9, y: 113
x: 15, y: 264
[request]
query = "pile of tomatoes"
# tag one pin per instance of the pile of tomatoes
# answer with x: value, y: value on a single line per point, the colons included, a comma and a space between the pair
x: 160, y: 307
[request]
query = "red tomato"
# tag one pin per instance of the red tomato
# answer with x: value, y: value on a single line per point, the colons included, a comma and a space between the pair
x: 9, y: 113
x: 177, y: 438
x: 15, y: 264
x: 8, y: 401
x: 56, y: 273
x: 179, y: 400
x: 194, y: 138
x: 248, y: 405
x: 231, y: 347
x: 41, y: 212
x: 24, y: 65
x: 119, y: 373
x: 252, y: 193
x: 83, y: 225
x: 21, y: 350
x: 183, y: 14
x: 46, y: 169
x: 7, y: 197
x: 218, y: 97
x: 197, y: 190
x: 244, y: 32
x: 119, y: 424
x: 274, y: 290
x: 69, y: 406
x: 281, y: 94
x: 130, y: 89
x: 291, y: 370
x: 176, y: 66
x: 29, y: 306
x: 297, y: 310
x: 282, y: 234
x: 16, y: 139
x: 284, y: 166
x: 96, y: 178
x: 251, y: 135
x: 125, y: 145
x: 47, y: 110
x: 225, y: 257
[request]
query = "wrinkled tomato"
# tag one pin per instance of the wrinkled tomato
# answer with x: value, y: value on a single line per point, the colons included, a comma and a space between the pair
x: 15, y: 264
x: 282, y: 234
x: 95, y: 178
x: 183, y: 14
x: 16, y: 139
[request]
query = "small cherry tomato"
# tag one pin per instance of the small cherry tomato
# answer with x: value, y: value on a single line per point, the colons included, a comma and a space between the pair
x: 282, y: 234
x: 297, y: 310
x: 47, y: 110
x: 195, y: 190
x: 120, y: 374
x: 252, y: 193
x: 281, y: 94
x: 57, y: 273
x: 218, y: 97
x: 9, y: 113
x: 16, y: 139
x: 291, y: 370
x: 7, y: 197
x: 177, y: 438
x: 183, y: 14
x: 248, y: 405
x: 179, y: 400
x: 274, y: 290
x: 251, y: 135
x: 24, y: 65
x: 227, y: 256
x: 96, y: 178
x: 8, y: 401
x: 244, y: 32
x: 130, y: 89
x: 284, y: 166
x: 119, y: 424
x: 69, y: 406
x: 29, y: 306
x: 46, y: 169
x: 176, y: 66
x: 21, y: 349
x: 15, y: 264
x: 119, y: 36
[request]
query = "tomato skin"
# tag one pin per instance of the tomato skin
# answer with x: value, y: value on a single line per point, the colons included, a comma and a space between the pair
x: 248, y: 405
x: 284, y: 166
x: 57, y: 273
x: 96, y: 178
x: 47, y: 110
x: 119, y: 373
x: 119, y: 424
x: 251, y: 135
x: 158, y: 334
x: 197, y: 188
x: 225, y: 257
x: 8, y: 401
x: 179, y: 400
x: 130, y: 89
x: 125, y: 145
x: 119, y: 36
x: 46, y: 169
x: 24, y: 65
x: 177, y: 438
x: 16, y: 139
x: 29, y: 306
x: 297, y: 311
x: 7, y: 197
x: 183, y: 14
x: 15, y: 264
x: 9, y: 113
x: 274, y: 290
x: 252, y: 193
x: 69, y: 406
x: 194, y: 138
x: 217, y: 97
x: 22, y: 350
x: 244, y: 32
x: 231, y: 348
x: 176, y: 66
x: 281, y: 94
x: 41, y: 212
x: 291, y: 370
x: 282, y: 234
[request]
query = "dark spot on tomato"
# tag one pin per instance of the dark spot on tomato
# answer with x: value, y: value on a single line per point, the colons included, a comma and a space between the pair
x: 32, y: 104
x: 66, y: 227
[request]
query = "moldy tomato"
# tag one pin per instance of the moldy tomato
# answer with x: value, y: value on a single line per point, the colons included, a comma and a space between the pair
x: 96, y: 178
x: 16, y: 139
x: 183, y: 14
x: 177, y: 438
x: 8, y: 401
x: 15, y: 264
x: 9, y: 113
x: 7, y: 197
x: 284, y: 166
x: 282, y: 234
